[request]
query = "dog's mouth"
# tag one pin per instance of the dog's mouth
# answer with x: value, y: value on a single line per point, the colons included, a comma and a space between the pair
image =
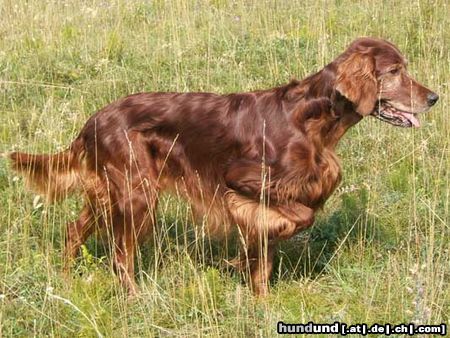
x: 388, y: 113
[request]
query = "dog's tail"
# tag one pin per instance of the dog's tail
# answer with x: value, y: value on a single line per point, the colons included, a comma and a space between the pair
x: 54, y: 176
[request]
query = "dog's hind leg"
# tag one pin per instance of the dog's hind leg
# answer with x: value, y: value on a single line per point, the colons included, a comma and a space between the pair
x: 77, y: 233
x: 133, y: 221
x: 124, y: 252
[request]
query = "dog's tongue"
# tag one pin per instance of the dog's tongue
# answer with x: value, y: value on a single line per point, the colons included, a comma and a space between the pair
x: 411, y: 118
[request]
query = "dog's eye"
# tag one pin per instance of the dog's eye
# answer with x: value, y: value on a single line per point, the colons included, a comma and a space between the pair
x: 394, y: 71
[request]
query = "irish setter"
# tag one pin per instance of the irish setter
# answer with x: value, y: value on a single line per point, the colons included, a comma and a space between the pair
x: 262, y: 163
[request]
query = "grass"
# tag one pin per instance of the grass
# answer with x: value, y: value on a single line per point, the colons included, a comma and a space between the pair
x: 380, y: 250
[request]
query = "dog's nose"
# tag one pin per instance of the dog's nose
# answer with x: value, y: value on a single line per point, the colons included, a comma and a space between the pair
x: 432, y: 99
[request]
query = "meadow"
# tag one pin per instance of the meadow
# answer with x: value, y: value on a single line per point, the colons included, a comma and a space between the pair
x: 379, y: 251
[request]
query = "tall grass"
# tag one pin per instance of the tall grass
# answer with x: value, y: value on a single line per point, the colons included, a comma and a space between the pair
x: 380, y: 250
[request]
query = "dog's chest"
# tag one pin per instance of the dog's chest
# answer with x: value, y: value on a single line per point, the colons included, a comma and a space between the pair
x: 321, y: 180
x: 331, y: 174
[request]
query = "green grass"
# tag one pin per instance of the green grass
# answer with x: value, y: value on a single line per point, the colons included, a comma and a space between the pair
x: 379, y: 251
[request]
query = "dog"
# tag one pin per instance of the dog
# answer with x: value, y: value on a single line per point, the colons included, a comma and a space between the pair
x: 260, y: 163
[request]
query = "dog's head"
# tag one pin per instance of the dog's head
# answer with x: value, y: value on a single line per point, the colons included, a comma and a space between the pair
x: 372, y: 75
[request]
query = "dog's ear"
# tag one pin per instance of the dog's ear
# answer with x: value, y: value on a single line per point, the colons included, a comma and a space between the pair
x: 356, y: 81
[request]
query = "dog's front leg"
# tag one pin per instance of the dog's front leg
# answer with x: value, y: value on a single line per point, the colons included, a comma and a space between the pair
x: 261, y: 228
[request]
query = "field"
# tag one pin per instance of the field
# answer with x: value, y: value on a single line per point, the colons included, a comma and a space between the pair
x: 380, y: 250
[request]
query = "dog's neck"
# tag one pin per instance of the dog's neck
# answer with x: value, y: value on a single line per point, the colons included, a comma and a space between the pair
x: 324, y: 128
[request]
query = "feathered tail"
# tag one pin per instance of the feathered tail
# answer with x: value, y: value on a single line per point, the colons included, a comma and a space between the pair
x: 54, y: 176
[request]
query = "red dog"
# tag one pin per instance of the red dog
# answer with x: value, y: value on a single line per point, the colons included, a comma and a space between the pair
x: 264, y: 161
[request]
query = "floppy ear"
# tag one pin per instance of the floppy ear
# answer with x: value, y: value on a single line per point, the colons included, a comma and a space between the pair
x: 356, y: 81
